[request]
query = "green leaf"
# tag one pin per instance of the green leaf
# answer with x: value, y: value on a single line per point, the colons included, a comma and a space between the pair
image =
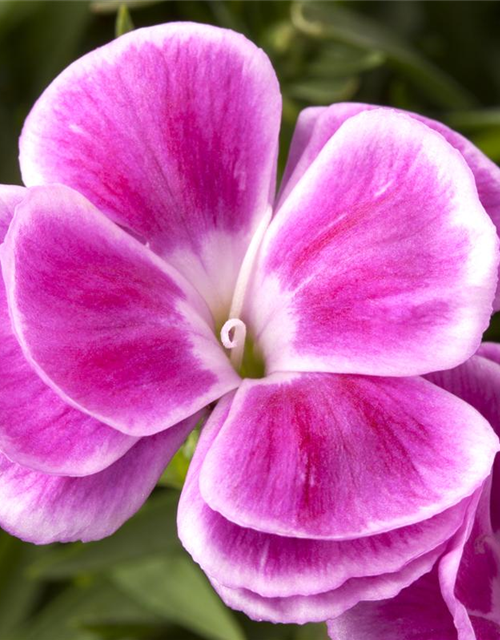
x: 18, y: 594
x: 318, y: 91
x: 150, y: 531
x: 328, y: 20
x: 124, y: 22
x: 111, y: 6
x: 311, y: 632
x: 475, y: 120
x: 73, y: 613
x: 175, y: 474
x: 489, y: 143
x: 341, y: 60
x: 173, y: 587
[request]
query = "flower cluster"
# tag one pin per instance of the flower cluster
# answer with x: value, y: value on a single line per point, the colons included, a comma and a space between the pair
x: 150, y: 272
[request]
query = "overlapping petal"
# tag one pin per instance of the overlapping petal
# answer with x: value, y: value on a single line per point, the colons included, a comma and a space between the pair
x: 280, y: 567
x: 172, y: 131
x: 350, y: 280
x: 37, y: 428
x: 339, y: 457
x: 316, y: 125
x: 42, y: 508
x: 477, y: 381
x: 106, y: 323
x: 458, y: 600
x: 10, y: 197
x: 316, y: 608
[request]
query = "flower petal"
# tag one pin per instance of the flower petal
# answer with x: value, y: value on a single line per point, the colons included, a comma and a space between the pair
x: 339, y: 457
x: 301, y: 141
x: 416, y: 613
x: 319, y: 607
x: 351, y: 280
x: 172, y: 131
x: 37, y: 428
x: 41, y: 508
x: 10, y: 197
x: 440, y: 604
x: 321, y: 123
x: 490, y: 350
x: 108, y: 325
x: 469, y: 573
x: 275, y: 566
x: 477, y: 381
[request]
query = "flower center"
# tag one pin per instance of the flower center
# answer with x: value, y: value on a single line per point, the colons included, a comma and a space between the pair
x: 245, y: 356
x: 233, y: 334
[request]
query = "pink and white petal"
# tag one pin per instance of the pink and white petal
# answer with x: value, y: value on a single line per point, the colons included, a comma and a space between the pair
x: 42, y: 508
x: 10, y: 197
x: 301, y: 140
x: 106, y: 323
x: 275, y: 566
x: 490, y: 350
x: 172, y: 131
x: 322, y: 606
x: 350, y: 280
x: 37, y: 428
x: 323, y: 123
x: 469, y: 573
x: 315, y: 126
x: 477, y: 381
x: 416, y: 613
x: 341, y: 457
x: 441, y: 604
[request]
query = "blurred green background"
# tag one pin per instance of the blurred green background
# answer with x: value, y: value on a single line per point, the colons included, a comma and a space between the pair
x: 438, y: 58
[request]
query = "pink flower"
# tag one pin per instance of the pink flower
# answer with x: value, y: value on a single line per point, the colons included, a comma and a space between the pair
x: 460, y: 598
x: 149, y: 236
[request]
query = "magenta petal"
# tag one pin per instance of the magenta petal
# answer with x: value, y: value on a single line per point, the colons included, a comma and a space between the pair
x: 106, y: 323
x: 322, y: 124
x: 459, y: 600
x: 339, y: 457
x: 416, y: 613
x: 41, y: 508
x: 490, y: 350
x: 316, y: 608
x: 477, y: 381
x: 10, y: 197
x: 172, y: 131
x: 469, y: 573
x: 37, y: 428
x: 302, y: 138
x: 273, y: 566
x: 350, y: 280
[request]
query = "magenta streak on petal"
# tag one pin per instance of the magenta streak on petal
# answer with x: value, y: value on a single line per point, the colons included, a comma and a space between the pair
x: 322, y: 123
x: 275, y: 566
x: 41, y: 508
x: 458, y: 600
x: 416, y: 613
x: 321, y: 606
x: 38, y: 429
x: 477, y: 381
x: 108, y: 325
x: 173, y: 132
x: 350, y: 280
x: 342, y: 457
x: 10, y: 197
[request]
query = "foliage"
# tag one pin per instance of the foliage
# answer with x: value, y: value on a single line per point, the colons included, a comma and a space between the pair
x: 438, y: 58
